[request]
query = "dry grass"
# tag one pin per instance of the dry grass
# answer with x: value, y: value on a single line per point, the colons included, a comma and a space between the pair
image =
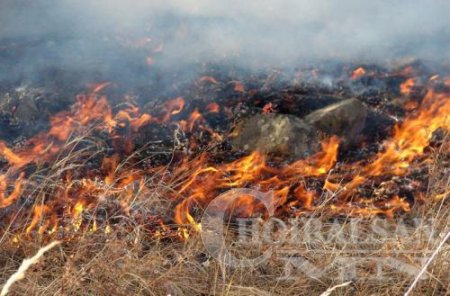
x: 26, y: 264
x: 126, y: 262
x: 123, y: 263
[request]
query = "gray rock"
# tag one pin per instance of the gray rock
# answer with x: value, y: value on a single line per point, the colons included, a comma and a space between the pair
x: 21, y: 104
x: 276, y: 134
x: 24, y: 110
x: 345, y: 119
x: 27, y: 109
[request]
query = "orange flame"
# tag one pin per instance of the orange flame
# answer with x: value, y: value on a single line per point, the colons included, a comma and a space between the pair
x: 408, y: 142
x: 239, y: 87
x: 173, y: 107
x: 412, y: 136
x: 196, y: 181
x: 268, y: 108
x: 406, y: 87
x: 5, y: 200
x: 358, y: 73
x: 209, y: 79
x: 213, y: 108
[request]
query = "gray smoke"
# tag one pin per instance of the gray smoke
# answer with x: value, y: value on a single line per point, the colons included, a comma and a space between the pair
x: 279, y: 33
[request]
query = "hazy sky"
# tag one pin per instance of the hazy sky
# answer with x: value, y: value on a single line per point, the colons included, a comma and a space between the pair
x: 279, y: 32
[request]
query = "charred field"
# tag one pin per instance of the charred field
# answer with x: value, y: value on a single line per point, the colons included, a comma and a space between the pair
x: 130, y: 166
x: 123, y: 184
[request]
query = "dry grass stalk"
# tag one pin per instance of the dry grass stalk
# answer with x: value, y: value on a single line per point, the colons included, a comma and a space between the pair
x: 26, y: 263
x: 424, y: 268
x: 330, y: 290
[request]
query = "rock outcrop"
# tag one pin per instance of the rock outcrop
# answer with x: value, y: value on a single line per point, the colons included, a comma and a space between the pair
x: 345, y: 119
x: 277, y: 134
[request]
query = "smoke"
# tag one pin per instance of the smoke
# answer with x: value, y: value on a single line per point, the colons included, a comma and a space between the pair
x: 281, y: 33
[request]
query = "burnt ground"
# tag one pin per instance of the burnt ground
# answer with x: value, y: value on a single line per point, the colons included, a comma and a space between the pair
x: 40, y: 79
x: 30, y: 96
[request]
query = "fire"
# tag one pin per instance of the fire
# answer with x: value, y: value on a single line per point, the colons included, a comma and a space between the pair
x: 387, y: 208
x: 358, y: 73
x: 213, y: 108
x: 408, y: 71
x: 206, y: 183
x: 195, y: 116
x: 239, y: 87
x: 406, y: 87
x: 42, y: 214
x: 319, y: 163
x: 97, y: 177
x: 209, y: 79
x: 109, y: 166
x: 408, y: 142
x: 131, y: 117
x: 87, y: 110
x: 412, y: 136
x: 7, y: 200
x: 10, y: 156
x: 76, y: 214
x: 173, y: 107
x: 268, y: 108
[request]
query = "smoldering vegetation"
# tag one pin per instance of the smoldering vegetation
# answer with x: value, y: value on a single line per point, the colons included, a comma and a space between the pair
x: 51, y: 50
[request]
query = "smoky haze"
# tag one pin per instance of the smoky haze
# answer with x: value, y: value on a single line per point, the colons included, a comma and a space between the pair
x: 281, y: 33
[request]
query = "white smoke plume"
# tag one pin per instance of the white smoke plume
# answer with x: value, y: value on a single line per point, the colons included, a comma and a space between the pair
x: 251, y: 32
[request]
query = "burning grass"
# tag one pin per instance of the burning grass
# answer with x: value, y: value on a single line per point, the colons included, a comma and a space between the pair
x: 129, y: 214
